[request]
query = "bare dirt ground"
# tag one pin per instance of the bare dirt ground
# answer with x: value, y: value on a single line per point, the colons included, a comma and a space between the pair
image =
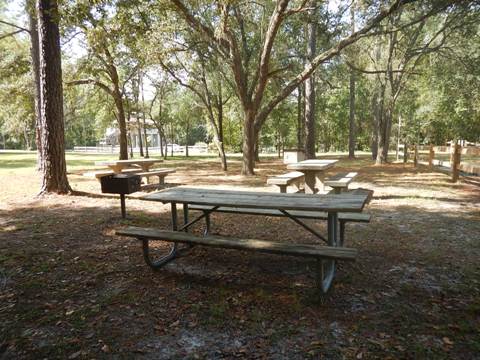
x: 71, y: 289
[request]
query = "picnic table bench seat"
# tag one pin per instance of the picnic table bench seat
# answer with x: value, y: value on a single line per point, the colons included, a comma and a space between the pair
x: 318, y: 252
x: 267, y: 246
x: 161, y: 173
x: 284, y: 180
x: 340, y: 181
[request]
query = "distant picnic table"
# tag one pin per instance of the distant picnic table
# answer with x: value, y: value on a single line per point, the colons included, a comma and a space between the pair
x: 288, y: 205
x: 312, y: 169
x: 118, y: 165
x: 141, y: 167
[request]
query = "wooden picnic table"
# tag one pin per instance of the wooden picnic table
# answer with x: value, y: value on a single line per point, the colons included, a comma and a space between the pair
x: 285, y: 203
x: 118, y: 165
x: 312, y: 169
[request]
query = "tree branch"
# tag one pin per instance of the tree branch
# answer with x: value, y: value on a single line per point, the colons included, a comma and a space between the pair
x: 10, y: 34
x: 275, y: 21
x: 14, y: 25
x: 325, y: 56
x: 93, y: 82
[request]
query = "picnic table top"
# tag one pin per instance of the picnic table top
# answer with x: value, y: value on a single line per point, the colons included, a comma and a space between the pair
x: 312, y: 164
x: 261, y: 200
x: 127, y: 162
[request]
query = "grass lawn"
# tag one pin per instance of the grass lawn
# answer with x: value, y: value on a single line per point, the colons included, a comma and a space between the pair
x: 71, y: 289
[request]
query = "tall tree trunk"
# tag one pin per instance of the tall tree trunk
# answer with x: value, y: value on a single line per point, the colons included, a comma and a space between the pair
x: 187, y: 133
x: 256, y: 150
x: 143, y: 114
x: 248, y: 147
x: 160, y: 144
x: 28, y: 146
x: 387, y: 133
x: 310, y: 86
x: 54, y: 169
x: 34, y: 53
x: 129, y: 130
x: 139, y: 134
x: 166, y: 141
x: 171, y: 139
x: 377, y: 107
x: 299, y: 118
x: 351, y: 132
x: 131, y: 144
x: 221, y: 147
x: 122, y: 124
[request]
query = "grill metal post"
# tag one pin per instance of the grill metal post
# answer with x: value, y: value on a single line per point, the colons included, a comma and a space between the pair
x: 122, y: 204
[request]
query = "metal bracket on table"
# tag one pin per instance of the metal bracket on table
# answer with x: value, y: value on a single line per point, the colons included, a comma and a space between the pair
x: 205, y: 214
x: 305, y: 226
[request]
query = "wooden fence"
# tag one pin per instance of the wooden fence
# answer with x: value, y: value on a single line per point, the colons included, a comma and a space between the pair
x: 455, y: 159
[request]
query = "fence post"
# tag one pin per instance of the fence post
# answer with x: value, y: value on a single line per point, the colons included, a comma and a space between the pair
x: 405, y: 152
x: 415, y: 155
x: 456, y: 162
x: 431, y: 156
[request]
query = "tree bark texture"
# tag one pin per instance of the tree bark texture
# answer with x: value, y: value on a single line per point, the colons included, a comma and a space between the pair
x: 122, y: 124
x: 248, y: 148
x: 310, y: 86
x: 300, y: 115
x: 221, y: 144
x: 54, y: 169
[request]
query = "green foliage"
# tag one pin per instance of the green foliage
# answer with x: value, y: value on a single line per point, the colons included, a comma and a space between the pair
x: 17, y: 118
x: 439, y: 98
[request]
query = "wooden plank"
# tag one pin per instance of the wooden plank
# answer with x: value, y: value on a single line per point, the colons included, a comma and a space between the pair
x: 285, y: 179
x: 156, y: 172
x: 247, y: 199
x: 304, y: 250
x: 340, y: 180
x: 312, y: 165
x: 360, y: 191
x: 354, y: 217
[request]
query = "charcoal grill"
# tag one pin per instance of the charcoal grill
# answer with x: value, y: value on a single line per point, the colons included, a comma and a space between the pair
x: 121, y: 184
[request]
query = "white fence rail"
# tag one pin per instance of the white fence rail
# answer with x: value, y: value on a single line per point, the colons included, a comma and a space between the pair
x: 110, y: 149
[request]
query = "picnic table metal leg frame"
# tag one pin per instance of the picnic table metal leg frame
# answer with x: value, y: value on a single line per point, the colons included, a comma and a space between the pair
x: 185, y: 217
x: 342, y: 233
x: 156, y: 264
x: 326, y: 268
x: 122, y: 206
x: 207, y: 223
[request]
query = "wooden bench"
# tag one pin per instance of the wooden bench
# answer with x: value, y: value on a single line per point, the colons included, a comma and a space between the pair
x: 340, y: 181
x: 321, y: 253
x: 316, y: 215
x: 282, y: 181
x: 161, y: 173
